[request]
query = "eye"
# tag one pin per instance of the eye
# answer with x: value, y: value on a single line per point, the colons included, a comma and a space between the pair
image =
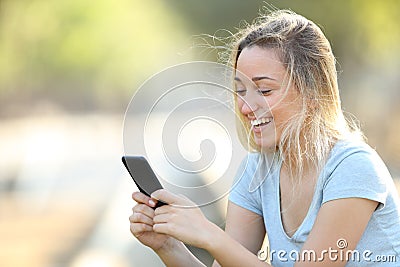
x: 240, y: 89
x: 241, y: 92
x: 264, y: 92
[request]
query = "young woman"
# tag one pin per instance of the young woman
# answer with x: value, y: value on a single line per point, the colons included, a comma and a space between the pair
x: 326, y: 198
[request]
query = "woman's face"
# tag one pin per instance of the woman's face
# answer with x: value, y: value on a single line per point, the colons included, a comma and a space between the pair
x: 262, y: 95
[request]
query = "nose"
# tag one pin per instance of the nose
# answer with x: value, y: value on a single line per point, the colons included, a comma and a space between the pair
x: 249, y: 105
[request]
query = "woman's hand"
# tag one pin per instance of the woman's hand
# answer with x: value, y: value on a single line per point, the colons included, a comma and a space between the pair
x: 183, y: 220
x: 141, y: 223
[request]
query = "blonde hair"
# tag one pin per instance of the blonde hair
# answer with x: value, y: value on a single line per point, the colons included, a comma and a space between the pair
x: 307, y: 56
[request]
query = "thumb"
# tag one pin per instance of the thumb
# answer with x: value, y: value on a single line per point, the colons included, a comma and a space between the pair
x: 166, y: 197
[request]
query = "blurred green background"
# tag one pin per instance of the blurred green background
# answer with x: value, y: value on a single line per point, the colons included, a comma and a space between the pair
x: 67, y: 72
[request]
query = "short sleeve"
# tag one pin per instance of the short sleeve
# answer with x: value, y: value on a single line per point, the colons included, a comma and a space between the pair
x: 361, y: 174
x: 240, y: 193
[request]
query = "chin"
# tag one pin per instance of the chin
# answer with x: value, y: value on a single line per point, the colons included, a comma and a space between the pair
x: 265, y: 145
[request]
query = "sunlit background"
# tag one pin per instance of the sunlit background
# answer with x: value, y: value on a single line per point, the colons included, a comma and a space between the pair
x: 67, y: 72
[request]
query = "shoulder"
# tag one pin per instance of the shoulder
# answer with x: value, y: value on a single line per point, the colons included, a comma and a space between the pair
x: 241, y: 192
x: 356, y: 157
x: 345, y: 148
x: 249, y: 165
x: 354, y: 169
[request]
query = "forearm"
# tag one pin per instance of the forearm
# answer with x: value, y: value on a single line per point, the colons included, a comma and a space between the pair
x: 176, y: 254
x: 228, y: 252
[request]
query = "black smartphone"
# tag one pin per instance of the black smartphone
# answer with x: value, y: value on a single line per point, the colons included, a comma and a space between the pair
x: 143, y: 175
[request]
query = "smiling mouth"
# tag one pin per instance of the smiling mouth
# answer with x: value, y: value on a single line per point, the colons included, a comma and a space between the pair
x: 260, y: 122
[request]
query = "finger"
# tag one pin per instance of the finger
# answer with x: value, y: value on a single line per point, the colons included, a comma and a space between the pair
x: 163, y: 209
x: 140, y: 218
x: 167, y: 197
x: 162, y: 218
x: 163, y: 228
x: 138, y: 228
x: 139, y: 197
x: 144, y: 209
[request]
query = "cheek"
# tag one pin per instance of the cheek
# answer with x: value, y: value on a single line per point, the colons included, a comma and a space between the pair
x: 271, y: 103
x: 285, y: 112
x: 239, y: 103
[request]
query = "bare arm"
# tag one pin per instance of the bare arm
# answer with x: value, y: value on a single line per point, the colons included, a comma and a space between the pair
x: 245, y: 227
x: 171, y: 251
x: 245, y: 232
x: 342, y: 219
x: 176, y: 254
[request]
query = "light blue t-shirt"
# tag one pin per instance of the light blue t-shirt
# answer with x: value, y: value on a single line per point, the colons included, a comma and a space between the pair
x: 352, y: 170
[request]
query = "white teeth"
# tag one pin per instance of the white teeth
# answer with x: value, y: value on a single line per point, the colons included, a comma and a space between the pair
x: 260, y: 121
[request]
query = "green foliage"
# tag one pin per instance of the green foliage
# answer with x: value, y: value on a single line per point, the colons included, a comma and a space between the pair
x: 104, y: 49
x: 355, y: 27
x: 80, y: 45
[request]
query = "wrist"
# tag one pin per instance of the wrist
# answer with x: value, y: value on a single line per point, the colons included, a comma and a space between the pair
x: 169, y: 245
x: 213, y: 236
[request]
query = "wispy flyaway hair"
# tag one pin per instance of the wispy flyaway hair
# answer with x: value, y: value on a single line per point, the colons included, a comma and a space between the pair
x: 306, y: 54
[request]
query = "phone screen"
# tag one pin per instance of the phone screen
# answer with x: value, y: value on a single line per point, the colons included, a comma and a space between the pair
x: 142, y: 174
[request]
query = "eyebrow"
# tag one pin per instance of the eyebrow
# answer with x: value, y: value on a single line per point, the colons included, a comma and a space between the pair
x: 257, y: 78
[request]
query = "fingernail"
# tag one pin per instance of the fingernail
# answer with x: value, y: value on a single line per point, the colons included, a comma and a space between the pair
x: 151, y: 202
